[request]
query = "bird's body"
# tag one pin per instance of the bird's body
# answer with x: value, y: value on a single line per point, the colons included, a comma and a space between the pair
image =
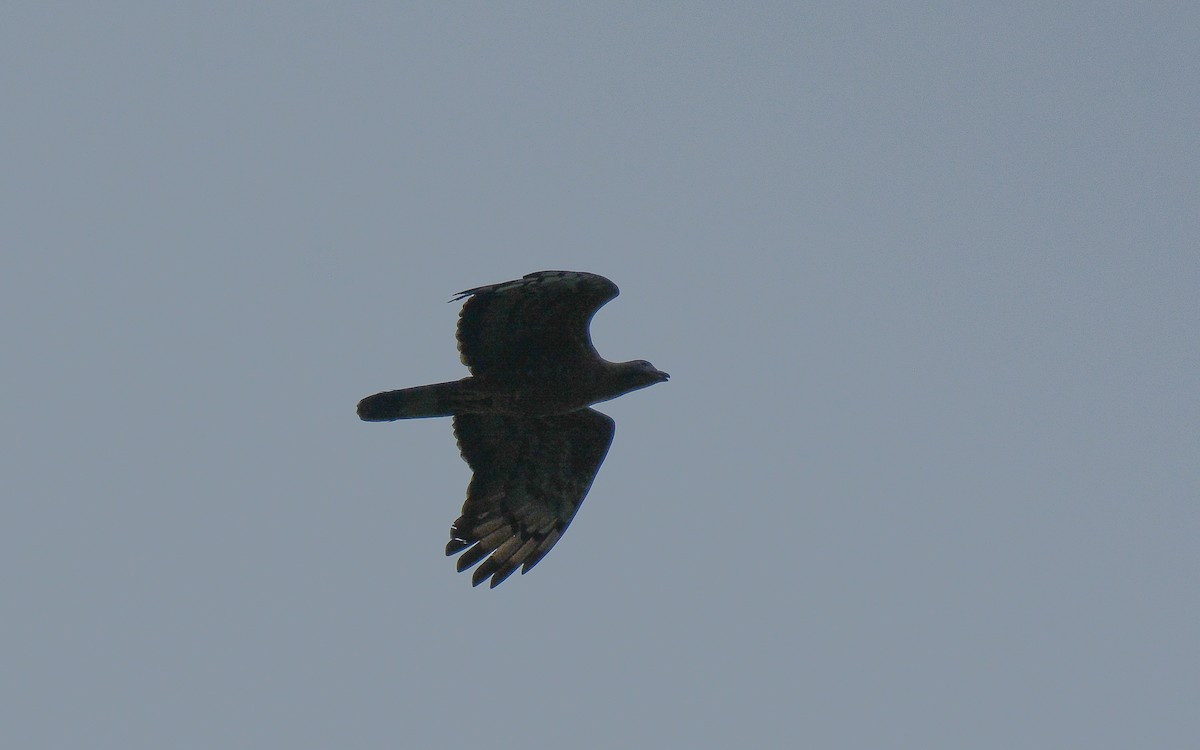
x: 522, y: 418
x: 539, y: 397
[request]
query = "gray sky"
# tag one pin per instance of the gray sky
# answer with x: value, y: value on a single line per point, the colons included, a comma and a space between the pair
x: 925, y: 279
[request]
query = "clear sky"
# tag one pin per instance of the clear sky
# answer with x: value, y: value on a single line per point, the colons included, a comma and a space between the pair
x: 925, y: 276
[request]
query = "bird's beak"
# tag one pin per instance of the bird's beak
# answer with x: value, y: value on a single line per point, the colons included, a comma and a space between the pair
x: 663, y: 377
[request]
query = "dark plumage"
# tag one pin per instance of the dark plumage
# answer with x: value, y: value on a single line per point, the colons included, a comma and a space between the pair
x: 522, y: 418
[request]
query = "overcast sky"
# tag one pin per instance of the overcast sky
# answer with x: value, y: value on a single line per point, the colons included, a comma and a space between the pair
x: 926, y: 278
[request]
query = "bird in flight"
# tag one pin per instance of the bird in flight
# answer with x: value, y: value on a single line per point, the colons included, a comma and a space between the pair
x: 522, y: 418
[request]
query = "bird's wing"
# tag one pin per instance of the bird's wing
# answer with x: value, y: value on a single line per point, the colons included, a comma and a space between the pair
x: 530, y: 477
x: 535, y: 326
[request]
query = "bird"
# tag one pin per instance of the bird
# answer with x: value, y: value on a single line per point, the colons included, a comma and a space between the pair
x: 523, y: 418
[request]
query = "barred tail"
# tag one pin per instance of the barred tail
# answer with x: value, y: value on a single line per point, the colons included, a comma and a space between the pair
x: 437, y: 400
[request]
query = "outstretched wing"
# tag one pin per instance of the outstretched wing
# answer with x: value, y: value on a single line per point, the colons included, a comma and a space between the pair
x: 531, y: 475
x: 532, y: 326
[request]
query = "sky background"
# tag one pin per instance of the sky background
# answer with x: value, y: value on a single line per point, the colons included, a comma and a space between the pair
x: 925, y: 276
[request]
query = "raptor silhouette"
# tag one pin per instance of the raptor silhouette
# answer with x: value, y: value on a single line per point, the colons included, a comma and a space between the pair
x: 522, y: 418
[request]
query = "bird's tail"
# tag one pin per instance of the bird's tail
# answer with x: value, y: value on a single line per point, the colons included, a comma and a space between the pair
x: 437, y: 400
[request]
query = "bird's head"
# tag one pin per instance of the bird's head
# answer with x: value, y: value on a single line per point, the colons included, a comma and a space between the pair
x: 640, y: 374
